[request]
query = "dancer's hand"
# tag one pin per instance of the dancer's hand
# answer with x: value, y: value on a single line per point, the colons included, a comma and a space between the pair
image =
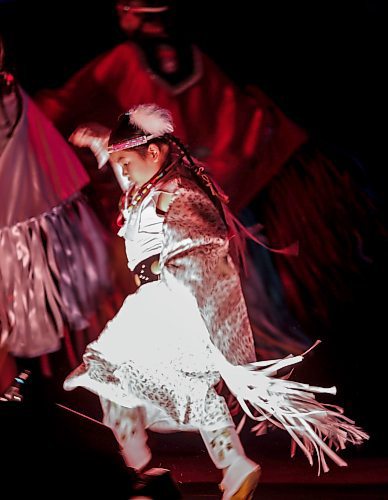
x: 95, y: 137
x: 88, y: 134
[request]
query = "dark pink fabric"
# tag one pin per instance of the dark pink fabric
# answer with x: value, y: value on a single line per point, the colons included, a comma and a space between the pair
x: 243, y: 139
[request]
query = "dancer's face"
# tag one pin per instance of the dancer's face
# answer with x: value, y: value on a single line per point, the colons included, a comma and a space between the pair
x: 137, y: 167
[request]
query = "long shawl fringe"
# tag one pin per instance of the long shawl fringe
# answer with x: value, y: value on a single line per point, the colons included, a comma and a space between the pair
x: 291, y: 406
x: 54, y: 273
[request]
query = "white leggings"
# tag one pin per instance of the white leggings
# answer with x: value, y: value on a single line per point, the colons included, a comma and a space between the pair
x: 129, y: 428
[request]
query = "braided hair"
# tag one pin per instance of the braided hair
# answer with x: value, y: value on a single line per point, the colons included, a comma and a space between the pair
x: 198, y: 169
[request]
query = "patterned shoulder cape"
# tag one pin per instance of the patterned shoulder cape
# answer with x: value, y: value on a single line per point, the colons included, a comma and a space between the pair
x: 196, y: 252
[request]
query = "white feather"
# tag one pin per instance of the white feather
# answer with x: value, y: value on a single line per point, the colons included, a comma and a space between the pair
x: 152, y: 119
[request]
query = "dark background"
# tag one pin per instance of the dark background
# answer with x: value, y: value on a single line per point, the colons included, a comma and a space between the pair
x: 322, y: 62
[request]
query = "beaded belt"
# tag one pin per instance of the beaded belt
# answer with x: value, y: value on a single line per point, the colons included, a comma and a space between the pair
x: 147, y: 270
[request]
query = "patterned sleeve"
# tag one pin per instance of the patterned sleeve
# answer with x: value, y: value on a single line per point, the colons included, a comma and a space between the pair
x: 195, y: 240
x: 195, y: 252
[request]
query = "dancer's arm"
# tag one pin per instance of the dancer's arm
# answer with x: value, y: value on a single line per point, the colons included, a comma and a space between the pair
x: 95, y: 137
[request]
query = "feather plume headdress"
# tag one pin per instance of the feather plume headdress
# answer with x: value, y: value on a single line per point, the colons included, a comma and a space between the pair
x: 149, y: 121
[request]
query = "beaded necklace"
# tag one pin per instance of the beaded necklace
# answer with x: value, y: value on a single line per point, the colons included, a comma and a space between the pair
x: 128, y: 202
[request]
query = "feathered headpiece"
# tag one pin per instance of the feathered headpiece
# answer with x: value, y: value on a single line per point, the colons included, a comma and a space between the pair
x: 148, y: 122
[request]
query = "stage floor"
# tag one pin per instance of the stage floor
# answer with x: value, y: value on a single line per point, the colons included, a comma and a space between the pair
x: 50, y: 452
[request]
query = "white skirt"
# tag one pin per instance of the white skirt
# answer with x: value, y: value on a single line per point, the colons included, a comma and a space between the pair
x: 157, y: 351
x: 157, y: 354
x: 159, y: 324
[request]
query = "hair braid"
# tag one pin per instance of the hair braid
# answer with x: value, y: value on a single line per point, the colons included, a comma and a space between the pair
x: 206, y: 182
x: 236, y: 233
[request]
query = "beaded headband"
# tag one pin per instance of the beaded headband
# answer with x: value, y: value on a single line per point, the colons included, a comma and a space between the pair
x: 129, y: 143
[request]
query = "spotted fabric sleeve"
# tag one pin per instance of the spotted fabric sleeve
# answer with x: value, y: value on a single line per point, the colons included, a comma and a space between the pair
x: 195, y: 252
x: 195, y: 239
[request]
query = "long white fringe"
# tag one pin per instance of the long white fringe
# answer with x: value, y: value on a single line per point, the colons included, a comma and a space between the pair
x: 291, y: 406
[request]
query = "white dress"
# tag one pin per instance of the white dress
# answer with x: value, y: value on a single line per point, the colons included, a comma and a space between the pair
x: 174, y: 339
x: 157, y: 348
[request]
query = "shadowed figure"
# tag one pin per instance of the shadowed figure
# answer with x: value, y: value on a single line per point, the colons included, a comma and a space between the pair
x: 53, y: 266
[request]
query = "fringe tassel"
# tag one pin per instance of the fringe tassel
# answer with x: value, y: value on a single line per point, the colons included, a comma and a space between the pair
x: 291, y: 406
